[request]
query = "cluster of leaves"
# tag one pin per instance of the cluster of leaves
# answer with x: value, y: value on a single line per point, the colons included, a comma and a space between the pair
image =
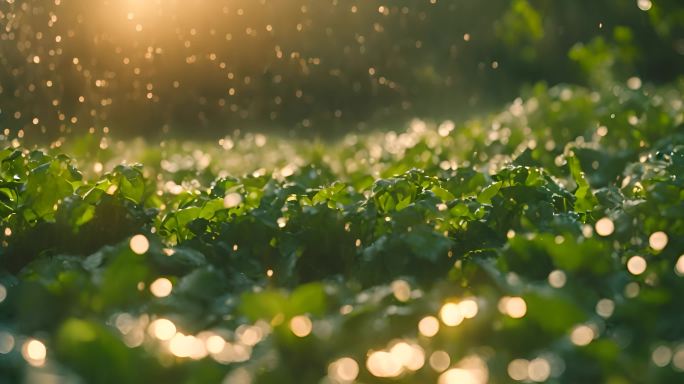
x: 337, y: 243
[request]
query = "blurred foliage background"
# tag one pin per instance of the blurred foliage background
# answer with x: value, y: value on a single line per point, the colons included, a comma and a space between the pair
x: 199, y: 67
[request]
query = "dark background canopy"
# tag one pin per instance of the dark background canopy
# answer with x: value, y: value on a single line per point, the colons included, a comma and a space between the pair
x: 305, y: 66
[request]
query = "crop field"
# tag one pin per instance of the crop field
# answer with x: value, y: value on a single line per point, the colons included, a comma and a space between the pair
x: 494, y: 250
x: 339, y: 192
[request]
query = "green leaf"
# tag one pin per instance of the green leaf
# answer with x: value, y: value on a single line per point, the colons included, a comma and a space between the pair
x: 263, y: 305
x: 485, y: 197
x: 585, y: 198
x: 308, y: 298
x: 86, y: 346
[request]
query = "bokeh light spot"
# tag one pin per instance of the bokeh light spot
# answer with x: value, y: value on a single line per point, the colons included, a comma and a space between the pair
x: 301, y: 326
x: 161, y: 287
x: 439, y: 361
x: 605, y: 227
x: 428, y: 326
x: 658, y: 240
x: 163, y: 329
x: 343, y: 370
x: 139, y: 244
x: 451, y: 314
x: 34, y: 352
x: 636, y: 265
x: 515, y: 307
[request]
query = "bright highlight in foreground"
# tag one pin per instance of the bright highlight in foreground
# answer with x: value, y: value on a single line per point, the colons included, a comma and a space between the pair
x: 451, y: 314
x: 187, y: 346
x: 344, y: 370
x: 468, y: 308
x: 6, y: 342
x: 215, y: 344
x: 457, y: 376
x: 383, y: 364
x: 3, y: 293
x: 557, y: 278
x: 636, y: 265
x: 410, y: 356
x: 517, y: 369
x: 301, y: 326
x: 658, y: 240
x: 232, y: 200
x: 161, y: 287
x: 401, y: 290
x: 679, y: 267
x: 34, y: 352
x: 605, y: 227
x: 539, y: 370
x: 163, y: 329
x: 428, y: 326
x: 514, y: 307
x: 249, y: 335
x: 402, y: 356
x: 139, y: 244
x: 439, y: 361
x: 582, y: 335
x: 644, y: 5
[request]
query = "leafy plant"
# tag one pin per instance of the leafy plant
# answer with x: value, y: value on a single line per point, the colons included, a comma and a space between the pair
x: 547, y: 237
